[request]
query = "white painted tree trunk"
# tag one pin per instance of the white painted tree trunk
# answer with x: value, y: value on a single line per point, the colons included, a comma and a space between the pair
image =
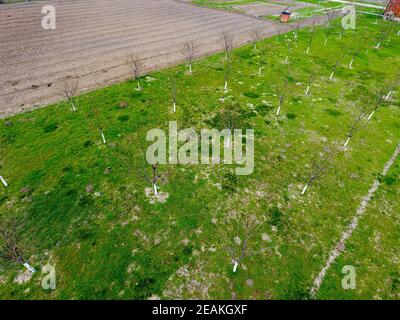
x: 103, y: 137
x: 228, y: 142
x: 308, y: 50
x: 259, y: 71
x: 138, y: 86
x: 378, y: 45
x: 307, y: 90
x: 29, y: 267
x: 370, y: 116
x: 398, y: 33
x: 73, y: 106
x: 3, y: 181
x: 304, y: 189
x: 326, y: 41
x: 155, y: 189
x: 388, y: 95
x: 235, y: 266
x: 190, y: 68
x: 174, y: 107
x: 226, y: 86
x: 347, y: 142
x: 255, y: 47
x: 287, y: 59
x: 331, y: 76
x: 279, y: 110
x: 351, y: 63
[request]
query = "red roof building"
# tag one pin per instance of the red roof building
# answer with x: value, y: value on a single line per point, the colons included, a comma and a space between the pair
x: 393, y: 7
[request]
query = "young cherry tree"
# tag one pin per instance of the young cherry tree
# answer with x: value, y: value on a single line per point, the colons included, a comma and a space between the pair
x: 227, y: 72
x: 172, y: 88
x: 282, y: 96
x: 137, y: 65
x: 98, y: 123
x: 383, y: 95
x: 2, y: 153
x: 328, y: 28
x: 298, y: 25
x: 155, y: 178
x: 289, y: 47
x: 69, y: 88
x: 240, y: 246
x: 392, y: 87
x: 310, y: 81
x: 311, y: 39
x: 256, y: 36
x: 189, y: 51
x: 227, y: 43
x: 263, y: 57
x: 320, y: 165
x: 357, y: 52
x: 358, y: 123
x: 230, y: 118
x: 384, y: 35
x: 11, y: 249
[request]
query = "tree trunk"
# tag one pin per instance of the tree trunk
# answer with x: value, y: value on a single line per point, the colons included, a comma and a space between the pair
x: 4, y: 181
x: 155, y: 189
x: 307, y: 90
x: 235, y: 266
x: 370, y: 116
x: 347, y: 142
x: 304, y: 189
x: 103, y: 137
x: 29, y: 267
x: 73, y: 106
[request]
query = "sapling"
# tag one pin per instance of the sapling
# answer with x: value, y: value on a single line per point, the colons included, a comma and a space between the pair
x: 227, y: 43
x: 311, y: 39
x: 69, y: 88
x: 334, y: 68
x: 289, y: 47
x: 155, y: 178
x: 320, y: 166
x: 230, y: 119
x: 282, y: 97
x: 98, y: 122
x: 256, y: 35
x: 172, y: 89
x: 310, y: 81
x: 247, y: 225
x: 384, y: 95
x: 189, y: 51
x: 3, y: 181
x: 10, y: 242
x: 227, y: 72
x: 328, y: 27
x: 357, y: 52
x: 360, y: 121
x: 298, y: 25
x: 278, y: 29
x: 136, y: 63
x: 384, y: 35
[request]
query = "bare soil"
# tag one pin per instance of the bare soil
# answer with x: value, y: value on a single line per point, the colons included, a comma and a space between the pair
x: 93, y: 40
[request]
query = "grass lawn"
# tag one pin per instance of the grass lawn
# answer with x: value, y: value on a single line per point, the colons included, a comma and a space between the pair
x: 87, y: 207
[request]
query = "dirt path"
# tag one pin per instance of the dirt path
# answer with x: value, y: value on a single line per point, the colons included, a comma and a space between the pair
x: 341, y: 245
x: 94, y: 39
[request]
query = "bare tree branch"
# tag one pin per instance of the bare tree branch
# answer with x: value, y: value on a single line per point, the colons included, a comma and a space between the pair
x: 69, y: 88
x: 136, y: 64
x: 189, y: 51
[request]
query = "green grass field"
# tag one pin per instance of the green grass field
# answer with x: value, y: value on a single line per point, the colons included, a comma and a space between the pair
x: 84, y: 208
